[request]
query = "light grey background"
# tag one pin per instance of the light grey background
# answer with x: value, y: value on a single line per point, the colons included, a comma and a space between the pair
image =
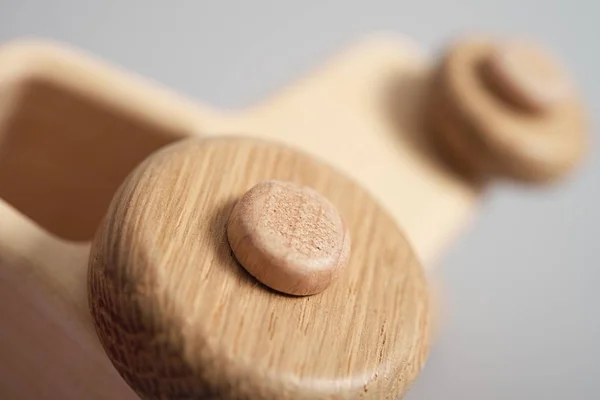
x: 520, y: 288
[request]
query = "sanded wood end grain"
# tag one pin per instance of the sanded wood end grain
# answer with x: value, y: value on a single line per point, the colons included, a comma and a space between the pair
x: 180, y: 318
x: 289, y: 237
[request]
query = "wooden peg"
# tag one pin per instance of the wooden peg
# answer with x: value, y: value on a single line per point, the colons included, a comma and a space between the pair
x: 289, y: 237
x: 483, y: 101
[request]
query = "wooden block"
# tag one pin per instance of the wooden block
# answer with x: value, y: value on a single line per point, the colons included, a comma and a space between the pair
x: 72, y: 129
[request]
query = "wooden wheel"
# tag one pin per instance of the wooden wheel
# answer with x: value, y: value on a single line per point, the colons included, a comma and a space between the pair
x: 179, y: 317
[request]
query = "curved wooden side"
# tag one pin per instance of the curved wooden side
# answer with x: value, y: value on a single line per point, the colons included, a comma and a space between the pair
x: 49, y: 348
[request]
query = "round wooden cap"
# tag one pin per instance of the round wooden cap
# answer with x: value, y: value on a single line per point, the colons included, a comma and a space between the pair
x: 484, y: 107
x: 180, y: 318
x: 289, y: 237
x: 527, y: 75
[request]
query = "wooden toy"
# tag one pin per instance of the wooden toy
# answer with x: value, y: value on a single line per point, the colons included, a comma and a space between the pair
x: 124, y: 209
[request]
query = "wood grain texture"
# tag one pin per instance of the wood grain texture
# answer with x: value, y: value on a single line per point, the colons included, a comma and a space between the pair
x: 67, y: 116
x: 289, y: 237
x: 48, y: 345
x: 181, y: 319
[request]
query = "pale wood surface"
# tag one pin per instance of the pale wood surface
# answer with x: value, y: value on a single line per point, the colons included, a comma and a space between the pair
x: 367, y: 118
x: 361, y: 111
x: 64, y: 114
x: 179, y: 317
x: 48, y: 345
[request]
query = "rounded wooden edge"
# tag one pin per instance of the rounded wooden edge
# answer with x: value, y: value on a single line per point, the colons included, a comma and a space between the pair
x: 492, y: 137
x: 527, y: 75
x: 178, y: 316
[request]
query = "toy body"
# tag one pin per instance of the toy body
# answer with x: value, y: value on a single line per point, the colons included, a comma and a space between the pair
x: 72, y: 129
